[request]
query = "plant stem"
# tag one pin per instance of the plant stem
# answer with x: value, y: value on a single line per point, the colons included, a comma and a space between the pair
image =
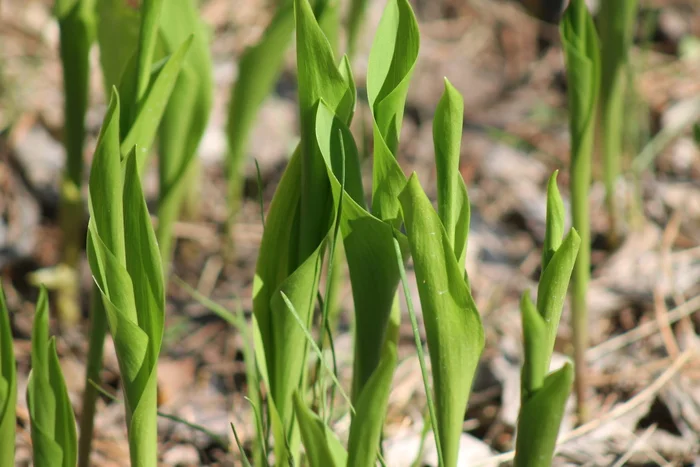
x: 76, y: 35
x: 580, y: 183
x: 98, y: 330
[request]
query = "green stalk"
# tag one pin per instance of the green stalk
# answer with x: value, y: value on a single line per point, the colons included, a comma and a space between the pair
x: 583, y: 73
x: 616, y: 21
x: 98, y: 330
x: 77, y: 31
x: 356, y: 16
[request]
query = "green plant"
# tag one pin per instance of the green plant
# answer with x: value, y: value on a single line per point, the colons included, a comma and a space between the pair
x: 438, y: 242
x: 543, y: 395
x: 126, y: 265
x: 583, y: 73
x: 76, y: 20
x: 8, y: 386
x: 616, y: 21
x: 185, y: 117
x: 54, y: 440
x: 144, y: 105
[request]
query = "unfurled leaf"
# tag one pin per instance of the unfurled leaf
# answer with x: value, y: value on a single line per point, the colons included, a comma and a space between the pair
x: 54, y: 439
x: 369, y: 248
x: 540, y: 418
x: 370, y: 411
x: 317, y: 438
x: 537, y: 353
x: 8, y: 387
x: 143, y: 129
x: 126, y: 266
x: 387, y: 85
x: 452, y: 323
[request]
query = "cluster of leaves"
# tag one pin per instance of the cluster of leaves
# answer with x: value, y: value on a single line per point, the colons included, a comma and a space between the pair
x: 323, y: 189
x: 159, y: 74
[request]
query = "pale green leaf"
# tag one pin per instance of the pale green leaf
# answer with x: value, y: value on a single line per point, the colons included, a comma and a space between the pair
x: 314, y: 435
x: 554, y: 231
x: 452, y: 323
x: 370, y: 411
x: 453, y: 201
x: 540, y: 418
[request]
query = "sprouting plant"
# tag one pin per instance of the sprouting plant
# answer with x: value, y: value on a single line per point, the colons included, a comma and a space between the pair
x: 543, y: 396
x: 8, y: 387
x: 126, y: 265
x: 583, y: 73
x: 438, y: 243
x: 616, y: 22
x: 76, y: 19
x: 134, y: 120
x: 54, y: 439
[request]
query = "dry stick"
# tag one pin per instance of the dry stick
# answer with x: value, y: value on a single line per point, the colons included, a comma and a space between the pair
x: 636, y: 445
x: 661, y: 290
x: 619, y: 411
x: 642, y: 331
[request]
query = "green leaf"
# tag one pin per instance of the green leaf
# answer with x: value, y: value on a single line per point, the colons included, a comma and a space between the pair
x: 76, y: 19
x: 8, y: 386
x: 105, y: 185
x: 148, y: 34
x: 391, y: 61
x: 537, y: 353
x: 452, y: 323
x: 554, y: 231
x: 453, y: 201
x: 258, y: 70
x: 554, y: 282
x: 370, y: 411
x: 369, y: 248
x: 186, y: 115
x: 126, y: 265
x: 315, y: 436
x: 540, y: 418
x: 280, y: 340
x: 319, y: 78
x: 118, y: 23
x: 146, y: 122
x: 54, y: 439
